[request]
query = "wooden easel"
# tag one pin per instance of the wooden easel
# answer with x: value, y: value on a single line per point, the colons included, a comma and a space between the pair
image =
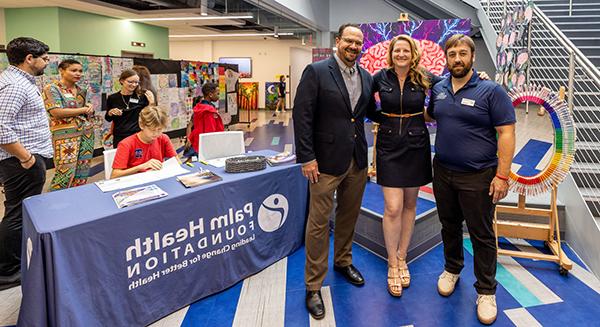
x: 549, y: 233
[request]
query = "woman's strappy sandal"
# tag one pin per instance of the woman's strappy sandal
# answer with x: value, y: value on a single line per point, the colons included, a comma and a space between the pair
x: 404, y: 273
x: 394, y: 281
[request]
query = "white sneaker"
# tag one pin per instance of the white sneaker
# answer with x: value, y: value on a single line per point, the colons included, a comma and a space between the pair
x: 486, y: 308
x: 446, y: 283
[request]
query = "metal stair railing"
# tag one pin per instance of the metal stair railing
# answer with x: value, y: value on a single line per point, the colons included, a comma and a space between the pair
x: 550, y: 47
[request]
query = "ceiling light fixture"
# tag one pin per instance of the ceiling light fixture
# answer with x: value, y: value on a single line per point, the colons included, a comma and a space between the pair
x: 276, y: 31
x: 227, y: 35
x: 190, y: 18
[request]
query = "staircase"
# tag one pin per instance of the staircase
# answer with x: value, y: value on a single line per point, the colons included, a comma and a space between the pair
x: 581, y: 26
x: 553, y: 34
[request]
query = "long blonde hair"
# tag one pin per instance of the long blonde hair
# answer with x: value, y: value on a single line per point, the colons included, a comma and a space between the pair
x: 416, y: 73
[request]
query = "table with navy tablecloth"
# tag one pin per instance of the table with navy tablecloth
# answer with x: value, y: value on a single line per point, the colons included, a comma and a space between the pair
x: 87, y: 263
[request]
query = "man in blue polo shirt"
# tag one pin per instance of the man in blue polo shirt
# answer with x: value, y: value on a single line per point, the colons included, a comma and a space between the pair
x: 474, y: 148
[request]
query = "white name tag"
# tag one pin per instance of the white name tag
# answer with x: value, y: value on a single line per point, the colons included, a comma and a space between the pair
x: 69, y: 95
x: 468, y: 102
x: 134, y: 100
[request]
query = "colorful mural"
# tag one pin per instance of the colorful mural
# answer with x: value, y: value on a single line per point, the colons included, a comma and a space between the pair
x: 248, y: 96
x: 430, y: 34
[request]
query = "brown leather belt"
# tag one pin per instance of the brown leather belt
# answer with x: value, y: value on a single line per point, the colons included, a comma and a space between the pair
x: 402, y: 115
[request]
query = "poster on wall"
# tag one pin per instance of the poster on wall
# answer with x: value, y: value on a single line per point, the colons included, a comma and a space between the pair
x: 244, y: 65
x: 319, y: 54
x: 431, y: 35
x: 248, y: 96
x: 271, y: 95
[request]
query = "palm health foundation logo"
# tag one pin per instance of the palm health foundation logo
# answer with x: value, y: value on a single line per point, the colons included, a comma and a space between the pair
x: 273, y: 212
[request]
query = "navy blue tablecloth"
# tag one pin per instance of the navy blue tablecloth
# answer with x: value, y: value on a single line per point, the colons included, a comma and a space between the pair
x: 87, y: 263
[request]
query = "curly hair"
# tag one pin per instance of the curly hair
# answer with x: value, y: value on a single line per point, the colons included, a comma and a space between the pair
x: 417, y: 74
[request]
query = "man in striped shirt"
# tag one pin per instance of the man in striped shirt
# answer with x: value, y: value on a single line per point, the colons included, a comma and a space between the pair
x: 25, y: 143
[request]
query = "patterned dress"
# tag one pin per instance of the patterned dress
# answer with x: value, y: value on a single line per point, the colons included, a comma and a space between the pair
x: 72, y: 137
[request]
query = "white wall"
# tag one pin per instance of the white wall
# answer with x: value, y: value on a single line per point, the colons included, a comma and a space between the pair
x: 198, y: 50
x: 299, y: 59
x: 270, y: 57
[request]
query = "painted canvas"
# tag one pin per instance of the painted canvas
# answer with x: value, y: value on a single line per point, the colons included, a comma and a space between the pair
x: 431, y: 36
x: 248, y: 96
x: 271, y: 95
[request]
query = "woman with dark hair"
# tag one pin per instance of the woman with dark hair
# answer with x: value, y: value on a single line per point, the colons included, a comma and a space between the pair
x: 124, y: 106
x: 71, y: 124
x: 146, y: 83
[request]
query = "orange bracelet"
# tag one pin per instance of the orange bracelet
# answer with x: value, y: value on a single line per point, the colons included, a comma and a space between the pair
x: 502, y: 177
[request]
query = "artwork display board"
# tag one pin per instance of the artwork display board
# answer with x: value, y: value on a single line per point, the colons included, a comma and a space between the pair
x: 176, y: 83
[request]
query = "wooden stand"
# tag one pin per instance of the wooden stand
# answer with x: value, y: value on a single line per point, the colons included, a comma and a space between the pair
x: 372, y: 171
x: 549, y: 233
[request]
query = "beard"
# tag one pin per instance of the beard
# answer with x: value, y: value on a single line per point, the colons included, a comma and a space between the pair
x: 460, y: 71
x: 38, y: 71
x: 350, y: 55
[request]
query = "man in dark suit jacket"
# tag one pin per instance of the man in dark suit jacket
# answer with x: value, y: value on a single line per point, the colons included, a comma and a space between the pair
x: 329, y: 111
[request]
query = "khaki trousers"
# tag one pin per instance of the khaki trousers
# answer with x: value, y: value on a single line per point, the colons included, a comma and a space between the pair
x: 350, y: 187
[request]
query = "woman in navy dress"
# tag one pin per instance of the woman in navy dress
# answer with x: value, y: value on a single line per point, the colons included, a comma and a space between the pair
x: 403, y: 150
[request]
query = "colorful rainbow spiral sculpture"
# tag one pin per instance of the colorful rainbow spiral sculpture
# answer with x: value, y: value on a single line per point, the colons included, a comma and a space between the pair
x: 564, y: 141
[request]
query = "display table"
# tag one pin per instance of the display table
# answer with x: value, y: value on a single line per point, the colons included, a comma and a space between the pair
x: 88, y: 263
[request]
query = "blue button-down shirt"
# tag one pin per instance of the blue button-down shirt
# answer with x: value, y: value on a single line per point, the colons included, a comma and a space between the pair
x: 22, y: 114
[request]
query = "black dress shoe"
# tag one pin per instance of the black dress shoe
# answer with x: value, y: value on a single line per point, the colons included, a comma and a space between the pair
x: 351, y: 273
x: 314, y: 304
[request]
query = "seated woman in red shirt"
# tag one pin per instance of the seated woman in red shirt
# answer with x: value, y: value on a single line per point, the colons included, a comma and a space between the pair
x: 146, y: 149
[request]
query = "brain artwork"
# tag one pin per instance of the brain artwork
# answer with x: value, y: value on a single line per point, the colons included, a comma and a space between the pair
x: 432, y: 56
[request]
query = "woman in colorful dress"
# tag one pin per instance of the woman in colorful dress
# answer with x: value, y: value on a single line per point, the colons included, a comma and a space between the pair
x: 71, y: 124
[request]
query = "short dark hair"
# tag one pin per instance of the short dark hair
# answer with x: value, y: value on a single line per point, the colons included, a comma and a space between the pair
x: 344, y: 26
x: 17, y: 49
x: 457, y: 39
x: 209, y: 87
x: 68, y: 62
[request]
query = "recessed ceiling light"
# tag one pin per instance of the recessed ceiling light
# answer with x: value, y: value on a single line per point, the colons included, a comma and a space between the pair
x: 228, y: 35
x: 190, y: 18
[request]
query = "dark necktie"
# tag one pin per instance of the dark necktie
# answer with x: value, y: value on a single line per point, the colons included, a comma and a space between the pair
x: 351, y: 70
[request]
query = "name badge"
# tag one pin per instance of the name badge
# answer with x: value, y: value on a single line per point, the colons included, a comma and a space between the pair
x: 133, y: 100
x: 468, y: 102
x: 69, y: 95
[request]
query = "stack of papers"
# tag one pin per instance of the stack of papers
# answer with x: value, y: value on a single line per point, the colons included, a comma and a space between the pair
x: 138, y: 195
x: 170, y: 168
